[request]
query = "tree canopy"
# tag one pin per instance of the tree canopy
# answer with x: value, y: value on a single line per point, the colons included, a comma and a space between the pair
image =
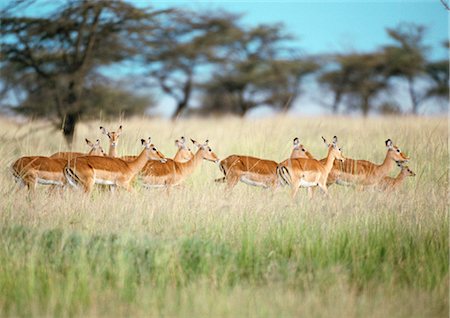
x: 55, y: 64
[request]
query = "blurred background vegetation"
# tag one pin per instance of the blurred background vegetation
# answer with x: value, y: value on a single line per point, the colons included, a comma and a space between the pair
x: 65, y: 65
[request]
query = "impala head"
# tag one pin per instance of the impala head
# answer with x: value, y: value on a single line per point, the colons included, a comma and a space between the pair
x: 152, y: 152
x: 395, y: 153
x: 96, y: 148
x: 406, y: 170
x: 184, y: 153
x: 113, y: 135
x: 206, y: 151
x: 335, y: 150
x: 298, y: 150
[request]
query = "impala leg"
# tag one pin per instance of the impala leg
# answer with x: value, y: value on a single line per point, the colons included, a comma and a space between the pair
x: 128, y: 187
x: 295, y: 186
x: 232, y: 180
x: 324, y: 189
x: 88, y: 185
x: 311, y: 191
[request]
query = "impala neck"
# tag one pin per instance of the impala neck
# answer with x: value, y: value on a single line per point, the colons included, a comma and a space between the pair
x: 386, y: 166
x: 330, y: 160
x: 112, y: 151
x: 139, y: 162
x: 400, y: 177
x: 309, y: 155
x: 189, y: 166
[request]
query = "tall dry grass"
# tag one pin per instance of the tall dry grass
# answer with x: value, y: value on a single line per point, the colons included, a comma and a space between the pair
x: 201, y: 252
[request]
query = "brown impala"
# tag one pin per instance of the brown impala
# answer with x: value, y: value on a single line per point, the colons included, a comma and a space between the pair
x: 309, y: 173
x: 87, y: 171
x: 32, y: 170
x: 172, y: 173
x: 255, y: 171
x: 363, y: 172
x: 113, y: 139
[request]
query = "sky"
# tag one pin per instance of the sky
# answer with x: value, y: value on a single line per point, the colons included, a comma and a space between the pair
x: 332, y: 26
x: 322, y: 27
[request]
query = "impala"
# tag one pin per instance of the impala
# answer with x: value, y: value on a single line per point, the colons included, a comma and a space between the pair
x: 87, y: 171
x: 255, y: 171
x: 113, y: 139
x: 305, y: 172
x: 390, y: 184
x: 96, y: 150
x: 172, y: 173
x: 32, y: 170
x: 363, y: 172
x: 183, y: 153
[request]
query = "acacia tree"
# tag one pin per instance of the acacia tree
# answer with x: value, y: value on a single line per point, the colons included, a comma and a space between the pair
x: 438, y: 73
x: 56, y: 53
x: 406, y: 59
x: 367, y: 78
x: 184, y: 42
x: 259, y: 70
x: 336, y: 79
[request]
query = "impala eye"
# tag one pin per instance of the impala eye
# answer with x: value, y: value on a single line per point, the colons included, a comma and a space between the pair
x: 398, y: 150
x: 154, y: 149
x: 303, y: 149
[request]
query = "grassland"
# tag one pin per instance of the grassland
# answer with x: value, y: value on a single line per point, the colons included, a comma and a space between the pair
x: 201, y: 252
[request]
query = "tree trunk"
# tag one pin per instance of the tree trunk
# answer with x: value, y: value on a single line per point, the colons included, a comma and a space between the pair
x: 365, y: 107
x: 68, y: 127
x: 71, y: 116
x: 413, y: 96
x: 336, y: 103
x: 182, y: 105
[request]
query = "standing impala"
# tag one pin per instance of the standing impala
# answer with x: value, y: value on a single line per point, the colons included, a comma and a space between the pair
x: 113, y: 140
x: 363, y: 172
x: 255, y: 171
x: 391, y: 184
x: 96, y: 150
x: 309, y: 173
x: 87, y: 171
x: 32, y: 170
x: 172, y: 173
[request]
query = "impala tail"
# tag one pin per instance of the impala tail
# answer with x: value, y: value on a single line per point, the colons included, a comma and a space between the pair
x: 284, y: 175
x: 71, y: 177
x: 17, y: 177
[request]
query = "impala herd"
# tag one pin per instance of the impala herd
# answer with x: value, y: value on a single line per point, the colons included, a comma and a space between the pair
x: 302, y: 169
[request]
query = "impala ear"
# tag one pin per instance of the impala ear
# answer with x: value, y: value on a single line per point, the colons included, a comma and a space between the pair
x: 389, y: 143
x: 196, y: 143
x: 142, y: 141
x: 182, y: 139
x: 335, y: 142
x: 90, y: 144
x: 104, y: 130
x: 325, y: 141
x: 119, y: 131
x: 206, y: 142
x: 296, y: 141
x: 97, y: 142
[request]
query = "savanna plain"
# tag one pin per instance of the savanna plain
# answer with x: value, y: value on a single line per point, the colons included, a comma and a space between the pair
x: 202, y: 252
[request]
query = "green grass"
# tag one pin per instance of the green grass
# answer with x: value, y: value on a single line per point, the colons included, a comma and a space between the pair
x: 200, y: 252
